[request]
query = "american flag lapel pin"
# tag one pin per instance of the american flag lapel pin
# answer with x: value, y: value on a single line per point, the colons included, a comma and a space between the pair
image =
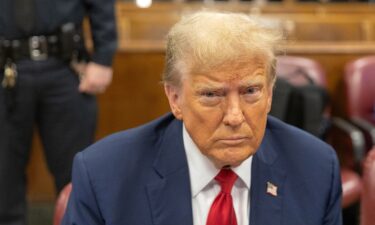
x: 271, y: 189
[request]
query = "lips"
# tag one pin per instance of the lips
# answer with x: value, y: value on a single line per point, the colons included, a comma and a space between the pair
x: 233, y: 140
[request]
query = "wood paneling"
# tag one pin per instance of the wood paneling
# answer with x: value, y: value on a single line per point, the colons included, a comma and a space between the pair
x: 153, y: 24
x: 136, y: 95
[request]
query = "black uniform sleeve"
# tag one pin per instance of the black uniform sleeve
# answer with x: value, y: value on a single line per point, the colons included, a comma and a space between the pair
x: 103, y: 28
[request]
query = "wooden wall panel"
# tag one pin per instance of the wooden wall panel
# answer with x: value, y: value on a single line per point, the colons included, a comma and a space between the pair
x: 323, y: 24
x: 136, y: 95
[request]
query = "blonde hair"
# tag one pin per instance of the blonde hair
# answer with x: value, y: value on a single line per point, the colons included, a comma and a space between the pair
x: 204, y: 41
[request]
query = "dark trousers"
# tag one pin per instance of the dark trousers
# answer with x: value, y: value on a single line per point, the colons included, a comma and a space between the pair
x: 46, y: 96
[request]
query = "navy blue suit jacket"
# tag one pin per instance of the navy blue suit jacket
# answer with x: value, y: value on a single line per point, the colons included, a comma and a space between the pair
x: 141, y: 177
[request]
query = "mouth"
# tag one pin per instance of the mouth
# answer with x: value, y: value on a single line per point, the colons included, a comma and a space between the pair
x: 232, y: 141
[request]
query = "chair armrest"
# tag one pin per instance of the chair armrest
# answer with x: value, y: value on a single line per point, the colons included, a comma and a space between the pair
x: 366, y: 126
x: 351, y: 187
x: 356, y: 138
x: 368, y: 193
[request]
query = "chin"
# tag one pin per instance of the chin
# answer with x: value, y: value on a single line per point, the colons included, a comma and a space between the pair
x: 232, y: 156
x: 229, y: 162
x: 228, y: 165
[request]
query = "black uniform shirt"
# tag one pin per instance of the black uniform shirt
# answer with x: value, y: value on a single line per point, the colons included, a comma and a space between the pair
x: 51, y: 14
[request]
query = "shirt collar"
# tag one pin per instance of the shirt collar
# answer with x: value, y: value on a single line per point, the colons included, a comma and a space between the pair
x: 202, y: 171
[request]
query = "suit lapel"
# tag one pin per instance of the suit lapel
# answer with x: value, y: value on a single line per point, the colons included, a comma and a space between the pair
x: 265, y: 207
x: 169, y: 195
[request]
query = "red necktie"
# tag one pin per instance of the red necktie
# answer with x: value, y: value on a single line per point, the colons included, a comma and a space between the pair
x: 222, y: 211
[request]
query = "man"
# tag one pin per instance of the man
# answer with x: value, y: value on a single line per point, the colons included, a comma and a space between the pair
x: 218, y: 159
x: 41, y: 44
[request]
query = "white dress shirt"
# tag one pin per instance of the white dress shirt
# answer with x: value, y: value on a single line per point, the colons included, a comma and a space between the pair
x: 204, y: 188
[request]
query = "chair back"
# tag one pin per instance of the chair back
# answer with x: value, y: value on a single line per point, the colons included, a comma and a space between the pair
x: 360, y: 87
x: 300, y: 97
x: 300, y: 70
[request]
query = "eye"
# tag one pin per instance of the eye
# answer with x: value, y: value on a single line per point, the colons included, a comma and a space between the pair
x: 252, y: 90
x: 209, y: 94
x: 210, y: 97
x: 252, y: 93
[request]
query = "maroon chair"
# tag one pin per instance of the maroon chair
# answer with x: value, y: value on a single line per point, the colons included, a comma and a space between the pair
x: 341, y: 134
x: 360, y: 89
x: 61, y: 203
x: 346, y: 139
x: 297, y: 79
x: 287, y: 66
x: 368, y: 193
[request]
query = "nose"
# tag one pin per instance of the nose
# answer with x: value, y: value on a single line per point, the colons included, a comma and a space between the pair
x: 233, y: 113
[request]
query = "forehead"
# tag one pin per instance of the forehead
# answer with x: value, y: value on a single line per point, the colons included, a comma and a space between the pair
x: 255, y: 70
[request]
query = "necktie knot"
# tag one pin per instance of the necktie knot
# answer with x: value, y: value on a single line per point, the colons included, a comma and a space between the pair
x: 226, y: 179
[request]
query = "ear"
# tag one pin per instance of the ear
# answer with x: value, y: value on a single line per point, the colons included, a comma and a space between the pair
x: 173, y: 94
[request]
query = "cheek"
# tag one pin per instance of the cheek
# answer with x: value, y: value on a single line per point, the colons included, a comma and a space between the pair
x: 256, y: 117
x: 202, y: 116
x: 201, y: 123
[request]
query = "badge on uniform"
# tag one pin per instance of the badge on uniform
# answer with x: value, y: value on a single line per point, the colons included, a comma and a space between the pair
x: 10, y: 75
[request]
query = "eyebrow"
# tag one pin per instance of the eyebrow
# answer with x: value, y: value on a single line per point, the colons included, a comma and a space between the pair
x: 254, y: 80
x: 250, y: 83
x: 208, y: 86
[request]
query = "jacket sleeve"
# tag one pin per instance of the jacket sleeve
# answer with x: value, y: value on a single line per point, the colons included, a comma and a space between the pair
x: 82, y: 206
x: 333, y: 215
x: 103, y: 29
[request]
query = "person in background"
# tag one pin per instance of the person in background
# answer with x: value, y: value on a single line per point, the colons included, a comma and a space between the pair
x: 218, y: 158
x: 48, y: 79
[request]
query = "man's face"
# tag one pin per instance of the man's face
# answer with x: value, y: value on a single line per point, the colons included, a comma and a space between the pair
x: 224, y: 111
